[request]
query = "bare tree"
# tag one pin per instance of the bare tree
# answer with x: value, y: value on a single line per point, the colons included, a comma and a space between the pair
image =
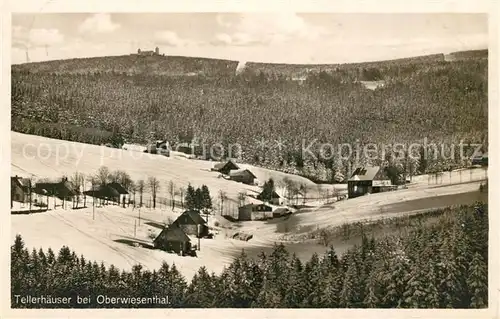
x: 133, y: 189
x: 103, y: 175
x: 140, y: 189
x: 222, y: 197
x: 154, y: 187
x: 182, y: 191
x: 77, y: 181
x: 241, y: 198
x: 303, y: 189
x: 171, y: 191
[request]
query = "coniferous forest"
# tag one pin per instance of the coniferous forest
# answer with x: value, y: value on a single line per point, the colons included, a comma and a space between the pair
x: 138, y: 99
x: 442, y: 264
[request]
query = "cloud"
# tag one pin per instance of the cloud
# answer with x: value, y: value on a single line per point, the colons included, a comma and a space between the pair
x: 265, y: 28
x: 22, y: 37
x: 172, y: 39
x: 98, y: 23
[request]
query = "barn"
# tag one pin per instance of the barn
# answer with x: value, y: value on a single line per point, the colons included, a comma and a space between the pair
x: 254, y: 212
x: 366, y: 180
x: 242, y: 176
x: 192, y: 223
x: 226, y: 167
x: 173, y: 239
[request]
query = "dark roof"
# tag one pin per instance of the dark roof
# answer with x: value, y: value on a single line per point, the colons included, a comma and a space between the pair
x: 118, y: 187
x: 230, y: 163
x: 241, y: 172
x: 368, y: 173
x: 102, y: 191
x: 194, y: 215
x: 172, y: 233
x: 60, y: 189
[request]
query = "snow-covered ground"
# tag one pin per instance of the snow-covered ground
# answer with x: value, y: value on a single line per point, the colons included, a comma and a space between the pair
x: 109, y: 236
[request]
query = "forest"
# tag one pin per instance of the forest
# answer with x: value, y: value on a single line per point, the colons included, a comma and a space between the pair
x: 443, y: 102
x: 438, y: 264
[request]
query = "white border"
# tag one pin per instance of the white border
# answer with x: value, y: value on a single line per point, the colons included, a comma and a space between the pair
x: 378, y: 6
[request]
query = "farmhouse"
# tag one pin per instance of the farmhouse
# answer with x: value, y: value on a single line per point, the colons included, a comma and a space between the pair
x: 254, y: 212
x: 173, y: 239
x: 19, y: 189
x: 273, y: 198
x: 62, y: 189
x: 369, y: 179
x: 113, y: 191
x: 226, y: 167
x: 192, y: 223
x: 242, y: 176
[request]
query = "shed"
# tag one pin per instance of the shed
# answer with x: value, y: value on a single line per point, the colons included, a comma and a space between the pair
x: 192, y: 223
x: 173, y: 239
x: 368, y: 179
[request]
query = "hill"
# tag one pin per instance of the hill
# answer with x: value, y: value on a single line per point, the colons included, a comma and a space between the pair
x: 139, y: 99
x: 112, y: 234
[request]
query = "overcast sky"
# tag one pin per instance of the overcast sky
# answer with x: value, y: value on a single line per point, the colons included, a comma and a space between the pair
x: 280, y: 38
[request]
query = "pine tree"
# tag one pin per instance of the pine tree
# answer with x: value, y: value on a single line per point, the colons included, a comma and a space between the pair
x: 206, y: 200
x: 190, y: 199
x: 477, y: 282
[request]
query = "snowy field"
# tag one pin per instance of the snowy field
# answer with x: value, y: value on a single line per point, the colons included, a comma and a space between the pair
x: 116, y: 236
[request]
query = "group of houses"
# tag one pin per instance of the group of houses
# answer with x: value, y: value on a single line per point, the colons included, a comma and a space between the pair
x: 234, y: 172
x: 23, y: 190
x: 174, y: 238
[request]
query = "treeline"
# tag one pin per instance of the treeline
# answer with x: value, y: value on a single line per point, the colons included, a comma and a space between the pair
x: 434, y: 265
x: 444, y: 102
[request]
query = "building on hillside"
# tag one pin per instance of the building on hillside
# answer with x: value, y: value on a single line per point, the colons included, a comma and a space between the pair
x: 148, y: 53
x: 192, y: 223
x: 19, y: 189
x: 114, y: 192
x: 123, y: 194
x: 173, y: 239
x: 242, y: 176
x: 62, y: 190
x: 254, y: 212
x: 368, y: 179
x: 280, y: 212
x: 225, y: 167
x: 275, y: 198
